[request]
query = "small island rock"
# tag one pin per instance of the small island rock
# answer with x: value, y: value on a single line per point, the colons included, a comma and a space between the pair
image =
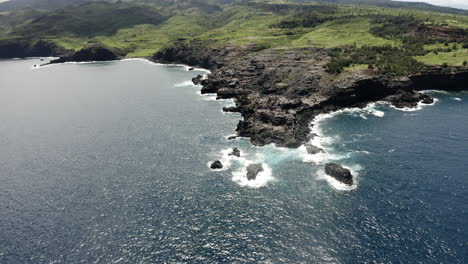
x: 235, y: 152
x: 339, y: 173
x: 311, y: 149
x: 216, y: 165
x: 253, y: 170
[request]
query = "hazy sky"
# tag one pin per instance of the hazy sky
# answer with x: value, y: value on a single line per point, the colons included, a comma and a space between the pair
x: 451, y: 3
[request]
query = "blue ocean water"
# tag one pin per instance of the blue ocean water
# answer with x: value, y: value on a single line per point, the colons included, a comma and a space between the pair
x: 108, y: 163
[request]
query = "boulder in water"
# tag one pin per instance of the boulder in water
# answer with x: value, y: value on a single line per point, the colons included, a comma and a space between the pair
x: 427, y: 100
x: 339, y: 173
x: 232, y: 109
x: 235, y: 152
x: 253, y: 170
x: 216, y: 165
x: 311, y: 149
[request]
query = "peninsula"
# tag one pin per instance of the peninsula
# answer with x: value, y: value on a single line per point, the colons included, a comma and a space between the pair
x: 283, y: 63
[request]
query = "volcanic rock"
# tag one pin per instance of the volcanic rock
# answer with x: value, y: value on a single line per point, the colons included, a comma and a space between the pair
x: 311, y: 149
x: 232, y: 109
x: 339, y: 173
x: 216, y: 165
x: 235, y: 152
x: 253, y: 170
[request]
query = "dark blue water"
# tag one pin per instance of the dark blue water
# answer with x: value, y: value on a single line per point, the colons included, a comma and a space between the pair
x: 107, y: 163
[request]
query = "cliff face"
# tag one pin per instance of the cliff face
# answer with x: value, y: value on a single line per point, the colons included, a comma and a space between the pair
x: 94, y: 53
x: 25, y: 48
x: 279, y: 91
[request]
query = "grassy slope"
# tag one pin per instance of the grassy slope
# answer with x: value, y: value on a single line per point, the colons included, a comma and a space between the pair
x: 144, y: 29
x: 343, y: 32
x: 455, y: 57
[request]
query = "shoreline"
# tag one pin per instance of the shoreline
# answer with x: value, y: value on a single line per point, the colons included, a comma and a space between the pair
x: 279, y: 94
x: 317, y: 159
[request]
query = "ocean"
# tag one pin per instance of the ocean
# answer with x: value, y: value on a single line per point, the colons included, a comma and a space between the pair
x: 109, y: 163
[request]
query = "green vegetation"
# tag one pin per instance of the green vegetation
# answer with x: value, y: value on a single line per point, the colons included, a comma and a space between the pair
x: 388, y: 37
x: 456, y: 57
x: 342, y: 32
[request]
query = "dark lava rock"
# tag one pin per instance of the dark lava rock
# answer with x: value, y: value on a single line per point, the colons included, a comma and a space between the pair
x: 279, y: 92
x: 94, y: 53
x: 232, y: 137
x: 253, y: 170
x: 232, y: 109
x: 216, y: 165
x: 235, y: 152
x: 311, y: 149
x: 339, y: 173
x: 409, y: 99
x: 228, y: 93
x: 197, y: 80
x: 191, y: 69
x: 208, y: 88
x: 25, y: 48
x: 427, y: 100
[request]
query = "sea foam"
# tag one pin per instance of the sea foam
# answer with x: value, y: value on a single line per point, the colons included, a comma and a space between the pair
x: 263, y: 178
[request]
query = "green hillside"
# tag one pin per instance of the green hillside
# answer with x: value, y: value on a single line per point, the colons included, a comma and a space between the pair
x: 143, y: 27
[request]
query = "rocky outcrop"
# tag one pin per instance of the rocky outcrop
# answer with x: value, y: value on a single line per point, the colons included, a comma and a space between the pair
x: 311, y: 149
x: 216, y: 165
x: 231, y: 109
x: 93, y: 53
x: 235, y: 152
x: 340, y: 173
x: 23, y: 48
x: 408, y: 99
x: 279, y: 91
x: 253, y: 170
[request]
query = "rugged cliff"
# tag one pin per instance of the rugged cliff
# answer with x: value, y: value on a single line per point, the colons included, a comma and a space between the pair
x: 22, y: 48
x: 280, y: 91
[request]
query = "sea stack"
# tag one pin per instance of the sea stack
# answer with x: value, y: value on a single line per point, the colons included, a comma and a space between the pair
x: 216, y: 165
x: 253, y: 170
x: 235, y: 152
x: 339, y: 173
x: 311, y: 149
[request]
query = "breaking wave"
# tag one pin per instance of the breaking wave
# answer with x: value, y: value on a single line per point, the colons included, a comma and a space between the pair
x: 184, y: 84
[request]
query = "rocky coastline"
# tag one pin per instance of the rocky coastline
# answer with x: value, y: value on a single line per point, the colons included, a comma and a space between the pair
x: 28, y: 48
x: 23, y: 48
x: 279, y: 91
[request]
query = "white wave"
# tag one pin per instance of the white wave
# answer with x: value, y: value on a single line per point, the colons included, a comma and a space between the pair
x: 87, y: 62
x: 339, y: 186
x: 325, y: 142
x: 361, y: 152
x: 263, y: 178
x: 457, y: 98
x: 228, y: 160
x: 434, y: 91
x: 186, y: 67
x: 184, y: 84
x: 418, y: 107
x: 208, y: 97
x: 239, y: 164
x: 407, y: 109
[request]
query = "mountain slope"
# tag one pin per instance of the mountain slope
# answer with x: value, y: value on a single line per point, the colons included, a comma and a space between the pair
x: 38, y: 4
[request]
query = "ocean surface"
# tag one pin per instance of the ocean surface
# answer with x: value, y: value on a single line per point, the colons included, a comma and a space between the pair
x: 108, y: 163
